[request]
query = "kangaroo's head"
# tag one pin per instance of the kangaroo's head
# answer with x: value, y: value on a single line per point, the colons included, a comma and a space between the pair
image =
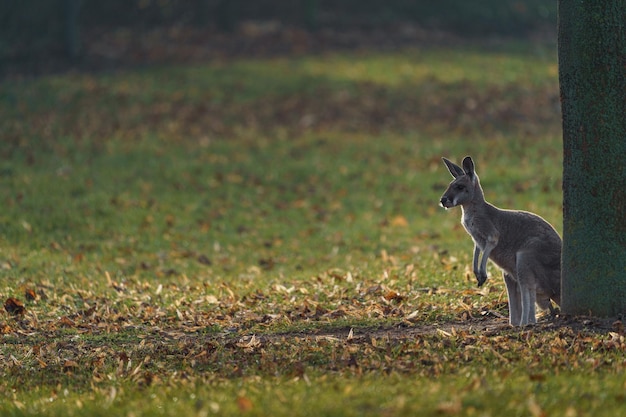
x: 465, y: 188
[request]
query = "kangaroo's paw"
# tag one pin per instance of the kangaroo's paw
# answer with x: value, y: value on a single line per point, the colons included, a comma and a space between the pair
x: 481, y: 278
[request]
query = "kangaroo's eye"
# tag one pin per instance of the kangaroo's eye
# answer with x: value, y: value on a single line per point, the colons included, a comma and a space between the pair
x: 460, y: 187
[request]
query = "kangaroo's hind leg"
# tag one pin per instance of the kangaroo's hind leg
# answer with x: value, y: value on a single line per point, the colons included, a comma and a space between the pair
x: 515, y: 300
x: 528, y: 287
x: 544, y: 303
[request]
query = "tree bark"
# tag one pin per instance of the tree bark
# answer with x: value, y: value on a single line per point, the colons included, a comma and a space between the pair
x: 226, y: 15
x: 592, y: 77
x: 72, y: 35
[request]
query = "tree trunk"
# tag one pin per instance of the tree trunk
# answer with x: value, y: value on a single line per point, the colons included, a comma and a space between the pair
x: 226, y: 15
x: 72, y: 35
x: 309, y: 13
x: 592, y: 76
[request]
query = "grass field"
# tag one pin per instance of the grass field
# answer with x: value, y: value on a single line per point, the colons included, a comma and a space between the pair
x: 263, y: 238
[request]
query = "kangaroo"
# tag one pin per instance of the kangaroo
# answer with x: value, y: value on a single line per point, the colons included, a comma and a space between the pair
x: 525, y: 246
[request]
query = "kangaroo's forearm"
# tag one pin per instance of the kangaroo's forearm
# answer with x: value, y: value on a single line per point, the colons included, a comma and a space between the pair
x: 483, y: 261
x: 475, y: 260
x: 492, y: 242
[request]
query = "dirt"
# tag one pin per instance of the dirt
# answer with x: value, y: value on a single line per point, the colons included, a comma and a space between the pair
x: 487, y: 326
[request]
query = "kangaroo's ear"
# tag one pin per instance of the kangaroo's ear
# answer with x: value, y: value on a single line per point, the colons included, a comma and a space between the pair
x: 468, y: 167
x: 454, y: 169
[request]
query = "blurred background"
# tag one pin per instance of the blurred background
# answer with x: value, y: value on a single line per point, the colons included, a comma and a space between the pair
x: 43, y: 36
x: 265, y: 141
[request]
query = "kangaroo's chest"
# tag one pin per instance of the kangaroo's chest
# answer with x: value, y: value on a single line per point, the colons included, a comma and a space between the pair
x: 476, y: 230
x: 484, y: 233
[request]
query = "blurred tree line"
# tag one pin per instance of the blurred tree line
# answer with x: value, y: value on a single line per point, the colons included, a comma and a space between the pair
x: 32, y: 27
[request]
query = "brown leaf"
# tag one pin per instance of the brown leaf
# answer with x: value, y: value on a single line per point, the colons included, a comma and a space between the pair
x: 244, y: 404
x: 450, y: 407
x: 148, y: 378
x: 14, y: 306
x: 466, y: 315
x: 248, y: 344
x: 123, y: 357
x: 30, y: 294
x: 340, y: 312
x: 266, y: 263
x: 204, y: 260
x: 399, y: 221
x: 69, y: 365
x: 534, y: 408
x: 66, y: 322
x: 392, y: 295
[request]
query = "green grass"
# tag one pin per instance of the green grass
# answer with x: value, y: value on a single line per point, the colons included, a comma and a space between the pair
x: 393, y: 394
x: 164, y: 216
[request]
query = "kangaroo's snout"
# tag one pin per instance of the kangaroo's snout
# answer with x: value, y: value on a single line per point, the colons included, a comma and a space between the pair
x: 445, y: 202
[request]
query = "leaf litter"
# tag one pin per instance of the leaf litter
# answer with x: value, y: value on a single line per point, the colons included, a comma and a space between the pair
x: 128, y: 336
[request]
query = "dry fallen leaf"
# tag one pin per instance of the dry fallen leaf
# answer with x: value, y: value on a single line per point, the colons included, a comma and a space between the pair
x: 69, y: 365
x: 399, y: 221
x: 244, y: 404
x: 249, y: 344
x: 450, y: 407
x: 66, y: 322
x: 350, y: 334
x: 30, y: 294
x: 14, y: 306
x: 534, y: 408
x: 392, y: 295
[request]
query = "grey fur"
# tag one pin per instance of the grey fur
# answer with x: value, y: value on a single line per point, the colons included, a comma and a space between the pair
x: 522, y: 244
